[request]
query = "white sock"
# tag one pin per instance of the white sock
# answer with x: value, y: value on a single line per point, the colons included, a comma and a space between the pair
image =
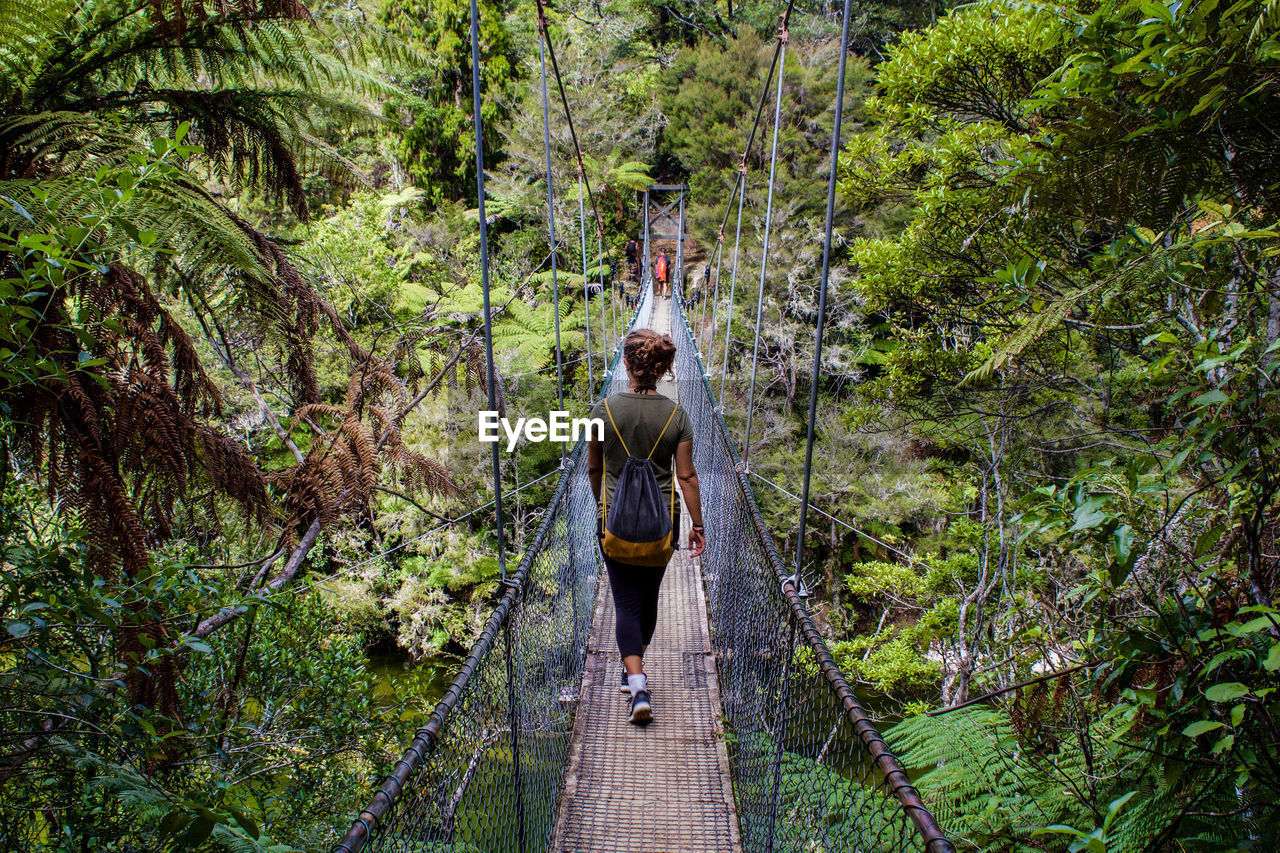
x: 636, y: 683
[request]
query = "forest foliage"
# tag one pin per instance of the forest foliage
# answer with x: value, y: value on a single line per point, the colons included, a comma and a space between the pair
x: 240, y: 341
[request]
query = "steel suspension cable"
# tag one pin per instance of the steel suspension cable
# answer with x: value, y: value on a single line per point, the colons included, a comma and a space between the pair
x: 568, y: 115
x: 583, y: 180
x: 739, y: 181
x: 823, y: 281
x: 551, y: 222
x: 733, y: 284
x: 740, y: 190
x: 755, y: 124
x: 715, y: 294
x: 764, y: 250
x: 492, y: 389
x: 613, y: 304
x: 604, y: 326
x: 840, y: 521
x: 491, y: 374
x: 586, y: 296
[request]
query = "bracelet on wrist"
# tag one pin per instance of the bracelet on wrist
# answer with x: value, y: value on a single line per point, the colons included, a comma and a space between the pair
x: 696, y: 526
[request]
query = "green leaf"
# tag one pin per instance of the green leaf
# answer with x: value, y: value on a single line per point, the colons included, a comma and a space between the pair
x: 19, y: 209
x: 1272, y: 663
x: 199, y: 831
x: 1197, y: 729
x: 1208, y: 99
x: 1210, y: 398
x: 247, y: 823
x: 1226, y: 692
x: 1089, y: 515
x: 1125, y: 555
x: 1208, y: 539
x: 1253, y: 626
x: 173, y: 823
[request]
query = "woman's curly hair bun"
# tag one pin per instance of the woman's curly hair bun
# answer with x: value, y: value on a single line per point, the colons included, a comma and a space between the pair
x: 648, y: 355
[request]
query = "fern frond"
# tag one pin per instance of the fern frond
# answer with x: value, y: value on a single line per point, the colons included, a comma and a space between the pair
x: 25, y: 30
x: 1048, y: 319
x: 631, y: 175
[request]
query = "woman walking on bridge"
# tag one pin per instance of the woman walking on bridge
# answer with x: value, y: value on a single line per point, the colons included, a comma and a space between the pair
x: 642, y: 421
x: 662, y: 274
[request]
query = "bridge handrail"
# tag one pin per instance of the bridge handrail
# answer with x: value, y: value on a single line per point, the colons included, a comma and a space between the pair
x: 427, y: 736
x: 898, y: 781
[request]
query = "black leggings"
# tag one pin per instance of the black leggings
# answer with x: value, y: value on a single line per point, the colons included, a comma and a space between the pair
x: 635, y: 603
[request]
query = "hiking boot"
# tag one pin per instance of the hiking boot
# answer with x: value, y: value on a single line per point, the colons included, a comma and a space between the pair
x: 641, y: 710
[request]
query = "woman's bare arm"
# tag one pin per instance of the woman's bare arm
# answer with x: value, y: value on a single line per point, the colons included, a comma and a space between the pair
x: 688, y: 477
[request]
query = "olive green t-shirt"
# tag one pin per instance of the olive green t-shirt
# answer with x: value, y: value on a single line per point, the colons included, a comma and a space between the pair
x: 640, y: 419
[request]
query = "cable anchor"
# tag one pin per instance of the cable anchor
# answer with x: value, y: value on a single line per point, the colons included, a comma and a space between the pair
x: 796, y: 582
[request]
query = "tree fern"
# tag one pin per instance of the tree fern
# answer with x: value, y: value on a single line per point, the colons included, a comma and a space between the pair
x: 631, y: 175
x: 982, y: 785
x: 530, y: 332
x: 104, y: 220
x: 275, y: 73
x: 24, y: 29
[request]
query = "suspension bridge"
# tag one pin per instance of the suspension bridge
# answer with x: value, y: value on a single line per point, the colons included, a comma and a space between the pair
x: 759, y: 743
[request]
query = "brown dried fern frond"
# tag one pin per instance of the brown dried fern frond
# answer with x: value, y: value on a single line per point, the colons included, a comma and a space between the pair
x: 233, y: 472
x: 311, y: 411
x: 364, y: 453
x: 374, y: 379
x: 420, y: 474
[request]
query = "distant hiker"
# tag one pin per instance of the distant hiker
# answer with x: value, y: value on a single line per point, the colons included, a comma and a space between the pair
x: 633, y: 261
x: 660, y: 274
x: 646, y: 435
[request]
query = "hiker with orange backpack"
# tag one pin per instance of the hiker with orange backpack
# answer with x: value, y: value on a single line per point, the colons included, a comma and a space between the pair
x: 661, y: 275
x: 639, y: 521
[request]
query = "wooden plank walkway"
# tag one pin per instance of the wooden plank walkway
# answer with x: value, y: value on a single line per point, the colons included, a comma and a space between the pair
x: 664, y: 787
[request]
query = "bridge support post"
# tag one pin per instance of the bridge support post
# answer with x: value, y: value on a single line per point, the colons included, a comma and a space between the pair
x: 644, y: 272
x: 679, y: 278
x: 779, y: 734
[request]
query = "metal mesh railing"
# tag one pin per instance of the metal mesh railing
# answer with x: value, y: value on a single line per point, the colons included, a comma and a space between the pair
x: 810, y: 771
x: 484, y: 772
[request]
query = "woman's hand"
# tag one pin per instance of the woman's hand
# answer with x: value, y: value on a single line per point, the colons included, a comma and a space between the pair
x: 697, y: 541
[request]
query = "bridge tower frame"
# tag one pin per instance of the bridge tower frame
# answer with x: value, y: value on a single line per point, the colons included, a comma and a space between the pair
x: 663, y: 201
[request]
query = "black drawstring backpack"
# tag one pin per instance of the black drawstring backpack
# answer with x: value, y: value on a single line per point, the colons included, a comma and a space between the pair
x: 639, y: 531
